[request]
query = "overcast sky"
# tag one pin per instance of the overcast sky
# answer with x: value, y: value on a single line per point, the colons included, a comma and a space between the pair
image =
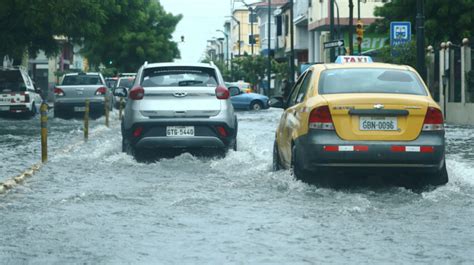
x: 201, y: 19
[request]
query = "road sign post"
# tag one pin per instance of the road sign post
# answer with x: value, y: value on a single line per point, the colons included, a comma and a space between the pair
x: 400, y: 34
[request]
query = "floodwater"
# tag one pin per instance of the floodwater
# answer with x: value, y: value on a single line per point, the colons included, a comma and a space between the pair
x: 93, y: 204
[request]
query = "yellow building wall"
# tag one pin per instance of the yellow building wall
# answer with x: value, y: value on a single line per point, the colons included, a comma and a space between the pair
x: 245, y: 30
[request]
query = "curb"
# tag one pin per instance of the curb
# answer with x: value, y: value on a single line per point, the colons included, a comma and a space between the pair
x: 14, y: 181
x: 18, y: 179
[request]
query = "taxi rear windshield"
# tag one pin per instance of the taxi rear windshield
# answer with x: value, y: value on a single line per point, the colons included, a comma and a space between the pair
x: 339, y: 81
x: 179, y: 76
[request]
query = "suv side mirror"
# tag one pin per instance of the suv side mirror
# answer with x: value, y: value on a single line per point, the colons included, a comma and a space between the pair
x: 120, y: 92
x: 277, y: 102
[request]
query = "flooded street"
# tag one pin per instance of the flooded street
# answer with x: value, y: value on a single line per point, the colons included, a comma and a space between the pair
x: 93, y: 204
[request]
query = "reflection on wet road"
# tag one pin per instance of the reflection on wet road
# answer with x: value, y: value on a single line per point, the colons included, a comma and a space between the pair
x: 96, y: 205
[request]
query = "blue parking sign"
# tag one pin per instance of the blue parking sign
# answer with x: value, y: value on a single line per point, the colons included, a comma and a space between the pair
x: 400, y: 32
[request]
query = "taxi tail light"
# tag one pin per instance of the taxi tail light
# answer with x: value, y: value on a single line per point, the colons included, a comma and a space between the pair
x: 137, y: 93
x: 101, y: 91
x: 222, y: 92
x: 27, y: 97
x: 58, y: 92
x: 433, y: 120
x: 320, y: 118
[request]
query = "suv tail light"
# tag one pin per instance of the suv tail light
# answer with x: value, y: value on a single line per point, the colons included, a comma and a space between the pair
x: 433, y: 120
x: 136, y: 93
x: 137, y: 132
x: 101, y: 91
x: 222, y: 131
x: 222, y: 92
x: 58, y: 92
x: 320, y: 118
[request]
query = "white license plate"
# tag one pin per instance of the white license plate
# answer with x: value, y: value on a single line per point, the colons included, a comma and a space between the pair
x: 79, y: 109
x: 4, y: 108
x: 180, y: 131
x: 378, y: 123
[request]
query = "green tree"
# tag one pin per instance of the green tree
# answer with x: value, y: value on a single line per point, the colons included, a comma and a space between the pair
x: 123, y: 32
x: 136, y: 31
x: 32, y: 24
x: 444, y: 20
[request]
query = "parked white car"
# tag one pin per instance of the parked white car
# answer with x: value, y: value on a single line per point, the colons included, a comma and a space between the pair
x: 18, y: 94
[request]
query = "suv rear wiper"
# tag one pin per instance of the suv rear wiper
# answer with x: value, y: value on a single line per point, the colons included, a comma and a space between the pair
x: 189, y: 82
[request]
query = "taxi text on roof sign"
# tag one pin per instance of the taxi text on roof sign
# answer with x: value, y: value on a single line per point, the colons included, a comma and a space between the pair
x: 354, y: 59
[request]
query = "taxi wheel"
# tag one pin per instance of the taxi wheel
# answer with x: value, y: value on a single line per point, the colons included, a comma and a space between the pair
x: 296, y: 169
x: 439, y: 178
x: 276, y: 158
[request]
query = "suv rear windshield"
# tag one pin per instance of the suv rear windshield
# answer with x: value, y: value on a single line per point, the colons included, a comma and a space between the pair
x: 73, y: 80
x: 370, y: 80
x: 11, y: 81
x: 179, y: 76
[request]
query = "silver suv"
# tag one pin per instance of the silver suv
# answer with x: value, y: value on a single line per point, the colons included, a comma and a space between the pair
x: 178, y: 106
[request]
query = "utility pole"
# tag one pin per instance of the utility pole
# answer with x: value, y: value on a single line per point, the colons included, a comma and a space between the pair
x: 269, y: 37
x: 252, y: 40
x: 238, y: 24
x: 420, y: 39
x: 351, y: 26
x: 332, y: 52
x: 292, y: 45
x: 359, y: 45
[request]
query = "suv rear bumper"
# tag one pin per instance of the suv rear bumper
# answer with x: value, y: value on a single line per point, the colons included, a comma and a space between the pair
x: 324, y: 149
x: 206, y: 135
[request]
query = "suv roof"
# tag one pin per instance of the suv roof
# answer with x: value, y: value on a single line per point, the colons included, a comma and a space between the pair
x: 151, y: 65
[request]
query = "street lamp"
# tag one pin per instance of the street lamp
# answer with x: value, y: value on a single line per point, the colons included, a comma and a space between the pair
x: 227, y: 41
x: 238, y: 24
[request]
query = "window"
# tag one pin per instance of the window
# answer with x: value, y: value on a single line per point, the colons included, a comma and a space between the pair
x: 292, y: 99
x: 305, y: 86
x: 179, y: 76
x: 81, y: 79
x: 279, y: 26
x: 370, y: 80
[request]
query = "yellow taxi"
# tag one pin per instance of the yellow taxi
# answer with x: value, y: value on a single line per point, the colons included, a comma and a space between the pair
x: 359, y: 115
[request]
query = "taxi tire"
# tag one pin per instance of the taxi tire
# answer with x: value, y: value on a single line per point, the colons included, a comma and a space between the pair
x: 438, y: 178
x: 296, y: 169
x: 276, y: 165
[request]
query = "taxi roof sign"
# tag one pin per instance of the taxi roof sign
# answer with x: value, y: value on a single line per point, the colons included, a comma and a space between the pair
x: 353, y: 59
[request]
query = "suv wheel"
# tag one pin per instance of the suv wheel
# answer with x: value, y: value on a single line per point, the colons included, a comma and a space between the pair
x: 33, y: 111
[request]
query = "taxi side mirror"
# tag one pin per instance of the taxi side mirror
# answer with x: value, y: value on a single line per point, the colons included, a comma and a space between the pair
x: 277, y: 102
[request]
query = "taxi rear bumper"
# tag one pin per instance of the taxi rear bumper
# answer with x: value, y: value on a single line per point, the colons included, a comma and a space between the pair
x: 324, y: 149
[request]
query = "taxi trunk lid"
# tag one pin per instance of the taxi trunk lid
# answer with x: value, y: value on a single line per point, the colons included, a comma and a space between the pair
x: 376, y: 117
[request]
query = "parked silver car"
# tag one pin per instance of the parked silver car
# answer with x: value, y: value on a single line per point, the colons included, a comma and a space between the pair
x: 75, y: 88
x: 178, y: 106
